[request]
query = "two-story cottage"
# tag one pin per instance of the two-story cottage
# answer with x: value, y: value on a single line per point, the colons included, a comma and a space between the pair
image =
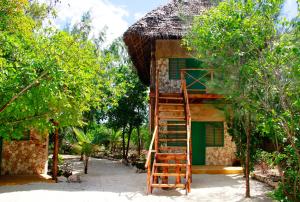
x: 187, y: 122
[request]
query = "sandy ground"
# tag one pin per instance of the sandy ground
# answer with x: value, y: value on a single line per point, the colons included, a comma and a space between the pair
x: 111, y: 181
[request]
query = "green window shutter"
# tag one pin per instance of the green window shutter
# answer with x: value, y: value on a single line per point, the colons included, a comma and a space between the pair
x: 175, y: 65
x: 219, y: 136
x: 214, y: 134
x: 209, y: 134
x: 193, y: 63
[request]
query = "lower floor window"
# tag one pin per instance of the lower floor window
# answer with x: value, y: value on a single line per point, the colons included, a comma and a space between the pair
x: 214, y: 134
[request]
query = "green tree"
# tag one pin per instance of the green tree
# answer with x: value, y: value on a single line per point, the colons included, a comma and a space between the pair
x: 84, y: 146
x: 44, y: 73
x: 129, y: 111
x: 229, y: 37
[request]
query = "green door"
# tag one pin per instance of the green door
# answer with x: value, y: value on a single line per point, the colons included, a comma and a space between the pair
x: 198, y: 143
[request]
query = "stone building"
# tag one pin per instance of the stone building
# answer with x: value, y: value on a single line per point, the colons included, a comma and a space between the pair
x: 28, y: 156
x: 170, y: 70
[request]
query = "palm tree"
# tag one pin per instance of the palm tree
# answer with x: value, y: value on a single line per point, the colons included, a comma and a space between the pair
x: 84, y: 146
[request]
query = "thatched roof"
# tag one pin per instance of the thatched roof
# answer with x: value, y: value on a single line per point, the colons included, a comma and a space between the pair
x: 165, y: 22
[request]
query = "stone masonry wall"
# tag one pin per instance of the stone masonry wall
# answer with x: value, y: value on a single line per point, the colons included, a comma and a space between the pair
x: 25, y: 157
x: 165, y: 84
x: 222, y: 155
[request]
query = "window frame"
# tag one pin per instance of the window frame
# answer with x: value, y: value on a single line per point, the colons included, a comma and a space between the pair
x: 214, y: 134
x: 188, y: 63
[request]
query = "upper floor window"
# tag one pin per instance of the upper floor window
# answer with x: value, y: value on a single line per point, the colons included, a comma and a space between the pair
x: 176, y: 64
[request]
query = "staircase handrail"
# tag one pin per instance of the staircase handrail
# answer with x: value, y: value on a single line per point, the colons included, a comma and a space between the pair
x: 188, y: 125
x: 147, y: 164
x: 154, y: 139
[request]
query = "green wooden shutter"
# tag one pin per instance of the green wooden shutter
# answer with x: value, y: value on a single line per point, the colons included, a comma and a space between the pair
x: 193, y: 63
x: 175, y: 65
x: 210, y: 139
x: 214, y: 134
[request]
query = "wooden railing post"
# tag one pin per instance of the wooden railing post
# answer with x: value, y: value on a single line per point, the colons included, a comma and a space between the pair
x: 156, y: 104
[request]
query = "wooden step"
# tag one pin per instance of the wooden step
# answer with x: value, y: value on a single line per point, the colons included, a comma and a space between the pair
x: 170, y: 164
x: 171, y: 104
x: 171, y: 98
x: 168, y: 154
x: 171, y: 110
x: 170, y: 94
x: 171, y: 156
x: 172, y: 148
x: 172, y: 140
x: 172, y: 124
x: 168, y: 186
x: 169, y: 174
x: 172, y: 132
x: 172, y: 117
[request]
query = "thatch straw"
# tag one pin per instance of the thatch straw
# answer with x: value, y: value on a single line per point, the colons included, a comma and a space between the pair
x: 170, y: 21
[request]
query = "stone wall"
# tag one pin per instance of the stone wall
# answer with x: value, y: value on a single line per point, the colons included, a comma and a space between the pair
x: 165, y: 84
x: 222, y: 155
x: 25, y: 157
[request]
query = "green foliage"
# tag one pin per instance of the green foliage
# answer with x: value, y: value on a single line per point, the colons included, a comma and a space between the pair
x: 259, y: 55
x: 130, y: 109
x: 44, y: 73
x: 145, y: 136
x: 85, y: 143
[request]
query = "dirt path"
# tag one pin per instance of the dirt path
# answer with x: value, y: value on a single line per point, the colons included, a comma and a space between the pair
x: 111, y: 181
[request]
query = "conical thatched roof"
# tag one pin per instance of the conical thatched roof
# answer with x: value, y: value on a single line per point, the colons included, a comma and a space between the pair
x: 165, y: 22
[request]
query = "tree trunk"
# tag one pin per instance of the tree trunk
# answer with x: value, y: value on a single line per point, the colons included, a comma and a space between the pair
x: 55, y: 153
x: 81, y: 157
x: 1, y: 145
x: 247, y: 166
x: 112, y: 142
x: 123, y: 143
x: 129, y: 136
x: 86, y: 165
x: 139, y: 140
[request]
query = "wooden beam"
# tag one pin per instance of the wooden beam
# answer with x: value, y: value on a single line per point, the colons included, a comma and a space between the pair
x: 196, y: 95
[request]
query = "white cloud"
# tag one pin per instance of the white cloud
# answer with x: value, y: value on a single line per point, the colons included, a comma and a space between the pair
x: 138, y: 15
x: 103, y: 14
x: 289, y: 9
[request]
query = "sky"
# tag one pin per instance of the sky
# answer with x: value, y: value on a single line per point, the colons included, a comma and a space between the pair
x: 118, y: 15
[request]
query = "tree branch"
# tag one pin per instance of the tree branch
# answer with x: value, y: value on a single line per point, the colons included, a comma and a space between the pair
x: 24, y: 90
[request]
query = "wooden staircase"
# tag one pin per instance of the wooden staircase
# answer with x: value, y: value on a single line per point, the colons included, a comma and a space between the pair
x: 169, y: 163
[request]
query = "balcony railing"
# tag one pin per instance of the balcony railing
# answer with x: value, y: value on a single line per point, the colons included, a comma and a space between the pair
x: 197, y: 79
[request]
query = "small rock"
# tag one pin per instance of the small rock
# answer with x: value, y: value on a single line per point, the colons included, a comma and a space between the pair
x: 140, y: 170
x: 74, y: 179
x: 61, y: 179
x: 125, y: 162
